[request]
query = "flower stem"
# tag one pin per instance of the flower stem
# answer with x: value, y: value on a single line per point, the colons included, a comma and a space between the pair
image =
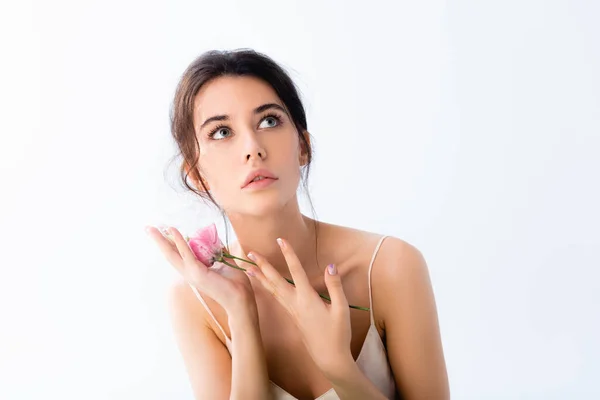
x: 227, y: 255
x: 232, y: 266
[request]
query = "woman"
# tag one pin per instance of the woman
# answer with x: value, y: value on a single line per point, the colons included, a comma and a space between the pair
x: 241, y: 129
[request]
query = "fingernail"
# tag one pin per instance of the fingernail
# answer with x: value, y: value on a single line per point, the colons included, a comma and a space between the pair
x: 332, y: 269
x: 251, y: 256
x: 250, y: 272
x: 280, y: 242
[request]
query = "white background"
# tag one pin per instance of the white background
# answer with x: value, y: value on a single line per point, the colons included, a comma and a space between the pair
x: 470, y: 129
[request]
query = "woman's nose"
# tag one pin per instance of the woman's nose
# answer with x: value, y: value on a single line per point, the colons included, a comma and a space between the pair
x: 253, y: 148
x: 259, y: 154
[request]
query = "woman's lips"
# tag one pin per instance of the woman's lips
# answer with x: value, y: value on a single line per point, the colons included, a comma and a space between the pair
x: 260, y: 183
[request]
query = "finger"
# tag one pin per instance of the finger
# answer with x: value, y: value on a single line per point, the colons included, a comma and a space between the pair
x: 256, y: 274
x: 182, y: 246
x: 273, y: 279
x: 191, y: 268
x: 166, y: 247
x: 333, y: 281
x: 296, y: 270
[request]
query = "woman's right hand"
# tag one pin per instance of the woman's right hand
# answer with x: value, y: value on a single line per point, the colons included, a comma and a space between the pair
x: 228, y: 286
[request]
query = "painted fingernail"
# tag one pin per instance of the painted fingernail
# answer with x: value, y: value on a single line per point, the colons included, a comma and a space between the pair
x: 280, y: 242
x: 332, y: 269
x: 251, y: 256
x: 250, y: 272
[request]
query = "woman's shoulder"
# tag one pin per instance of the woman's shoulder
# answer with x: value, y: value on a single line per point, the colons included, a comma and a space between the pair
x: 184, y: 305
x: 392, y: 258
x: 398, y: 273
x: 365, y: 241
x: 394, y: 261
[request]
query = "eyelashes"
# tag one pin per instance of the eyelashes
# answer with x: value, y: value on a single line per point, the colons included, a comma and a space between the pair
x: 216, y: 129
x: 274, y: 116
x: 221, y: 126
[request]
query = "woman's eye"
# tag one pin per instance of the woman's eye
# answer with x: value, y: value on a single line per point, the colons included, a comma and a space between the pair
x: 269, y: 122
x: 223, y: 131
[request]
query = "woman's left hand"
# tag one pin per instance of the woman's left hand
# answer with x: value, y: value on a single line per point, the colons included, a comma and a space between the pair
x: 325, y: 328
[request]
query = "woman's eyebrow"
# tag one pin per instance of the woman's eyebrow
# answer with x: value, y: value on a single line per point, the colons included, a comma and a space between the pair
x: 268, y: 106
x: 257, y: 110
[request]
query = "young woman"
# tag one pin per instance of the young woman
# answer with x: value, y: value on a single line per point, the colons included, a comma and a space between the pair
x: 241, y: 130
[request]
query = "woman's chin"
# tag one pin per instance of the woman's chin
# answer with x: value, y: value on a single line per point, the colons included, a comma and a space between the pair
x: 261, y: 208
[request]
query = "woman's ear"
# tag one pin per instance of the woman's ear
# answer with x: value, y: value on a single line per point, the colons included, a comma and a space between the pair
x: 304, y: 148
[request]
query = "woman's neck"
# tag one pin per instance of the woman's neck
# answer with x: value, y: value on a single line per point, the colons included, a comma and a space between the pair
x: 259, y: 234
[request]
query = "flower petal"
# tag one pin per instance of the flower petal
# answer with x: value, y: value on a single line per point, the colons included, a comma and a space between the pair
x: 206, y: 245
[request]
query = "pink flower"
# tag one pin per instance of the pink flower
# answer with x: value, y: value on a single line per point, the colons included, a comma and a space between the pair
x: 206, y: 245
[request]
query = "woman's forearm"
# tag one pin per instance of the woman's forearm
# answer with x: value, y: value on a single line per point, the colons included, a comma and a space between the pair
x: 249, y: 375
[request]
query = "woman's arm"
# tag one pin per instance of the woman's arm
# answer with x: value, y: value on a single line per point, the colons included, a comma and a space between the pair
x: 250, y: 377
x: 403, y: 298
x: 213, y: 373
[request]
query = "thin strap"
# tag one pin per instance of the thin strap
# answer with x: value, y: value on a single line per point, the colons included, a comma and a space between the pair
x: 370, y: 268
x: 208, y: 310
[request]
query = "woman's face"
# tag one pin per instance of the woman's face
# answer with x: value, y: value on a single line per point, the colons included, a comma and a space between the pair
x: 242, y: 125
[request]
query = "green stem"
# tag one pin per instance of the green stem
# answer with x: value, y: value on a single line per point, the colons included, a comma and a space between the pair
x: 226, y: 255
x: 237, y: 258
x: 232, y: 266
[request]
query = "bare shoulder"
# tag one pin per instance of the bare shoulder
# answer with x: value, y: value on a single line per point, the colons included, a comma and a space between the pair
x: 399, y: 258
x: 179, y: 294
x: 392, y: 253
x: 183, y: 303
x: 187, y: 311
x: 402, y: 289
x: 394, y: 259
x: 351, y: 242
x: 399, y: 267
x: 399, y: 270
